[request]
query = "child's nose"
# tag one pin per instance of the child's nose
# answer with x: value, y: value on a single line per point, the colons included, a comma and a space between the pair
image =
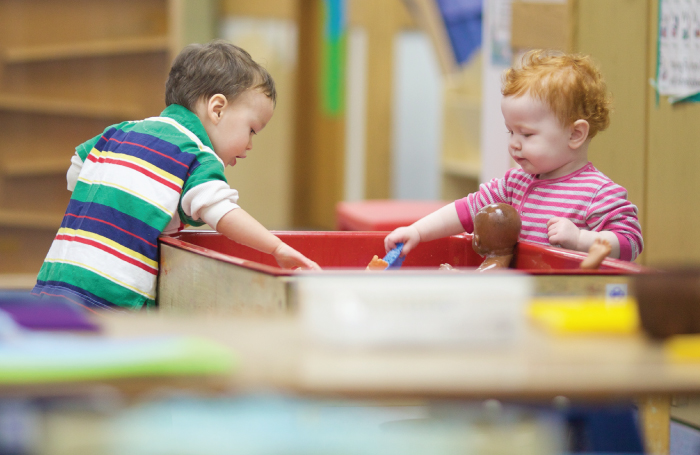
x: 514, y: 143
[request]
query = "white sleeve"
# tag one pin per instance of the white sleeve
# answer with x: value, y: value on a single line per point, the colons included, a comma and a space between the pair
x: 74, y: 171
x: 210, y: 201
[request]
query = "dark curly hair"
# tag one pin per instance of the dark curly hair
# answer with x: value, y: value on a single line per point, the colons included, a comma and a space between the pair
x: 203, y: 70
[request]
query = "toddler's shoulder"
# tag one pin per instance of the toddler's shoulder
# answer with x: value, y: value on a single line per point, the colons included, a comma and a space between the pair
x: 516, y: 174
x: 593, y: 175
x: 600, y: 185
x: 171, y: 131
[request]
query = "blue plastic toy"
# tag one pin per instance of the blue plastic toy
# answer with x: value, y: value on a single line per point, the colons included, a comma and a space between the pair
x: 394, y: 257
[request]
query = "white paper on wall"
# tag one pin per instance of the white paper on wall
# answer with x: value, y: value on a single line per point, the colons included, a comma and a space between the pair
x: 678, y: 70
x: 500, y: 20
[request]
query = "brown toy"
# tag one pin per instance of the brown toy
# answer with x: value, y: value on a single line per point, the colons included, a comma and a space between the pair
x: 596, y: 253
x: 496, y: 232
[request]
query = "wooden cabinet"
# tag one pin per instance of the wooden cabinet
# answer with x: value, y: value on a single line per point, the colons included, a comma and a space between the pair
x: 68, y: 69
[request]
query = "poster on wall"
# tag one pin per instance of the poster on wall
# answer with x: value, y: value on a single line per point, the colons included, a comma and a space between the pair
x: 500, y: 14
x: 678, y: 62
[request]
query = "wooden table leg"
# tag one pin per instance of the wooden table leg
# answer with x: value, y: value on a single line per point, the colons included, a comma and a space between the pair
x: 655, y: 419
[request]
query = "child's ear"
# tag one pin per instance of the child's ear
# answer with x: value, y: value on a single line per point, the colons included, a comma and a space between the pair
x: 215, y: 107
x: 579, y: 133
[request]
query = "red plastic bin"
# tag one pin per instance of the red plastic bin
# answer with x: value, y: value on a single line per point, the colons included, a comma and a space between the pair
x: 342, y: 249
x: 203, y: 271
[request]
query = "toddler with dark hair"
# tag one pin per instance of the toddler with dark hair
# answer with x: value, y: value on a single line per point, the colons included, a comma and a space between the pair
x: 140, y: 179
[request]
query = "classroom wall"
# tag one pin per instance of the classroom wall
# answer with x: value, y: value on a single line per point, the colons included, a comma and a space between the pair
x: 264, y: 178
x: 622, y: 55
x: 651, y: 146
x: 672, y: 170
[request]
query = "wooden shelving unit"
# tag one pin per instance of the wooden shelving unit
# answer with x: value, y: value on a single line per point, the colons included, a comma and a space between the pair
x: 28, y: 167
x: 461, y: 156
x: 87, y: 49
x: 69, y: 69
x: 29, y: 104
x: 29, y: 219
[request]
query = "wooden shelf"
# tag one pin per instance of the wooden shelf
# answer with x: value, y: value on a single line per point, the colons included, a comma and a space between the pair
x: 17, y: 281
x: 21, y: 103
x: 461, y: 168
x: 74, y: 78
x: 26, y: 219
x: 34, y: 167
x: 48, y: 52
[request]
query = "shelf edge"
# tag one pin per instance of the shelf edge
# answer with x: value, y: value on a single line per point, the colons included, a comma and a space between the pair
x: 31, y: 169
x: 66, y: 107
x: 88, y: 49
x: 17, y: 218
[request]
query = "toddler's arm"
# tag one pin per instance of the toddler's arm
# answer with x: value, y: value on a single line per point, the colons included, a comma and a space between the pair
x: 563, y: 232
x: 440, y: 223
x: 242, y: 228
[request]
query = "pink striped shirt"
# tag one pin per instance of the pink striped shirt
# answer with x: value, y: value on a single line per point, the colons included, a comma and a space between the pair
x: 586, y: 197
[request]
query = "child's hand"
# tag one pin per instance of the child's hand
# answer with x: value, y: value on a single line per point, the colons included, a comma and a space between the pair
x: 408, y: 235
x: 563, y: 232
x: 287, y: 257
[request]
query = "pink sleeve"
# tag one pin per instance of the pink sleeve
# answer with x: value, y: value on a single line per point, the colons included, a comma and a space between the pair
x: 611, y: 211
x: 489, y: 192
x: 462, y: 206
x: 625, y: 247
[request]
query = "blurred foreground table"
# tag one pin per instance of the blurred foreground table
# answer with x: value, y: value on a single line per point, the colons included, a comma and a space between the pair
x: 274, y: 353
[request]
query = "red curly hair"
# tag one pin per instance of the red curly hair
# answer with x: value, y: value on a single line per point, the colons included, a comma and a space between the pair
x: 570, y: 84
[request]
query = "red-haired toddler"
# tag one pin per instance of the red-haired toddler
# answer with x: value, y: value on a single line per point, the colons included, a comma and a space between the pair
x: 553, y: 105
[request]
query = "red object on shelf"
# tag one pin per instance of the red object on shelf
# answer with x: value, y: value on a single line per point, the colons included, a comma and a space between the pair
x: 338, y: 249
x: 382, y: 214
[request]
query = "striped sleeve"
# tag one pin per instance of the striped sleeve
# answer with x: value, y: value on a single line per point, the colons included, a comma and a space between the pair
x: 489, y: 193
x: 611, y: 211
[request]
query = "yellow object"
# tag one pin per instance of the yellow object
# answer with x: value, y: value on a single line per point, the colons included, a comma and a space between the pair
x: 585, y: 315
x: 684, y: 348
